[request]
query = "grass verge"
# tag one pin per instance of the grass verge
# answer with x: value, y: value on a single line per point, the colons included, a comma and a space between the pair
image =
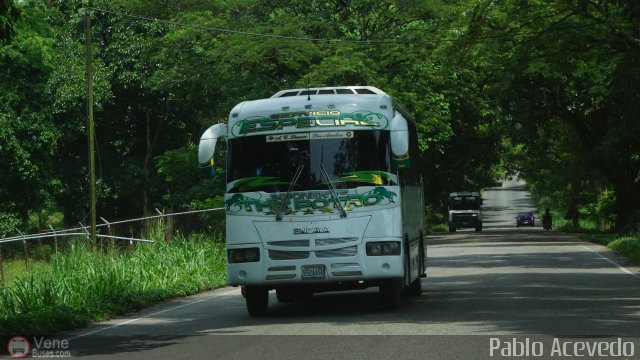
x: 82, y: 285
x: 627, y: 246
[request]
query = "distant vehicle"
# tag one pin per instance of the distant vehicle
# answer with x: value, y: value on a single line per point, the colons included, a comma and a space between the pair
x: 464, y: 211
x: 547, y: 220
x: 525, y: 218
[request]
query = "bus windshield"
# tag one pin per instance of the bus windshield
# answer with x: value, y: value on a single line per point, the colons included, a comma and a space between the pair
x: 269, y: 162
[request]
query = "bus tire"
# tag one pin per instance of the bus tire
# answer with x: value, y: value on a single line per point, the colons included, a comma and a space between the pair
x: 415, y: 288
x: 423, y: 257
x: 479, y: 227
x: 452, y: 229
x: 257, y: 300
x: 285, y: 295
x: 390, y: 290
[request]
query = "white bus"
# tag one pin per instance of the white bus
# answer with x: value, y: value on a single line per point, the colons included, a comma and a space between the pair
x: 323, y: 193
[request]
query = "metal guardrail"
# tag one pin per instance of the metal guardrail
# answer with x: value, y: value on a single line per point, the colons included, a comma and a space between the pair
x: 75, y: 234
x: 41, y: 237
x: 106, y: 223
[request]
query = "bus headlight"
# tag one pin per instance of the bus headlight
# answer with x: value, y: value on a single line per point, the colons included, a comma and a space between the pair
x: 383, y: 248
x: 243, y: 255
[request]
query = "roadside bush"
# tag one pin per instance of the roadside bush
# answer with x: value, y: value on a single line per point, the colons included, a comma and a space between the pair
x: 82, y: 285
x: 628, y: 246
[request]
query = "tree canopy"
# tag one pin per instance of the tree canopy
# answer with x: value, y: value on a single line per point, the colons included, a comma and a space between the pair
x: 543, y: 90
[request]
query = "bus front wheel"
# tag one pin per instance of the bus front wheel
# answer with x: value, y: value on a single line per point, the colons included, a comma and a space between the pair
x: 257, y: 299
x: 415, y: 288
x: 390, y: 290
x: 285, y: 295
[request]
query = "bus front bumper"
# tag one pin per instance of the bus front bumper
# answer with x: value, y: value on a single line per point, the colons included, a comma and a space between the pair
x: 360, y: 267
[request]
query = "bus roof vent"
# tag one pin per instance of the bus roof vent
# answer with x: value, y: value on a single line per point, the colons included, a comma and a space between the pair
x: 364, y: 91
x: 340, y: 90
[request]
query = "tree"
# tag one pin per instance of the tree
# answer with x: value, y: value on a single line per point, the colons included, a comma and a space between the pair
x: 405, y: 59
x: 9, y: 14
x: 28, y: 140
x: 574, y: 63
x: 158, y: 85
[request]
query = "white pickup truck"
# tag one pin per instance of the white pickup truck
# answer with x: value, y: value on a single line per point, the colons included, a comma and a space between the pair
x: 465, y: 211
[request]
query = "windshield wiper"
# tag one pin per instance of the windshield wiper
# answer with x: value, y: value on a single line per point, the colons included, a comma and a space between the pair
x: 286, y: 198
x: 332, y: 190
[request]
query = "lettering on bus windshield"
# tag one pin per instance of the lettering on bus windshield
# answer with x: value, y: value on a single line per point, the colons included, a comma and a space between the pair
x: 310, y: 202
x: 311, y: 119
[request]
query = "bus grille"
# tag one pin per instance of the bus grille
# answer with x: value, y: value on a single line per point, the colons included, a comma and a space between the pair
x: 287, y: 255
x: 290, y: 243
x: 335, y: 241
x: 343, y: 252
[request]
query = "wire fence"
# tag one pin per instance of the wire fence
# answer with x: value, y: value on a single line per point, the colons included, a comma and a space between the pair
x: 22, y: 253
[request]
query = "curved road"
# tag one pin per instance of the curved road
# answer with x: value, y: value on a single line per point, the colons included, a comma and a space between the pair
x: 504, y: 281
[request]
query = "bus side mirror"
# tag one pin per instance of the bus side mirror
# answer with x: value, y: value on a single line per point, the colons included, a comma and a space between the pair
x: 207, y: 148
x: 399, y: 143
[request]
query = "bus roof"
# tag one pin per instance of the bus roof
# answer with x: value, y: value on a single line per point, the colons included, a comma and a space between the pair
x: 331, y: 90
x: 376, y: 104
x: 285, y: 104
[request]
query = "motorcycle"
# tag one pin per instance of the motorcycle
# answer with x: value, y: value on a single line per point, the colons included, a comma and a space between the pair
x: 546, y: 222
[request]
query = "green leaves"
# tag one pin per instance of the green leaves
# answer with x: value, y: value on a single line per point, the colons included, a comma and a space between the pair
x: 545, y: 89
x: 9, y: 15
x: 184, y: 187
x: 28, y: 139
x: 558, y: 91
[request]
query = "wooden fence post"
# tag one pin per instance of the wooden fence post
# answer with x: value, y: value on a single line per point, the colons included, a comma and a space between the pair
x: 55, y: 239
x: 1, y: 266
x: 26, y: 250
x: 131, y: 247
x: 93, y: 245
x: 112, y: 242
x: 26, y: 254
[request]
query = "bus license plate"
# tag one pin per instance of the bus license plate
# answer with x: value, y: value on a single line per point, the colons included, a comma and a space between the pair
x: 313, y: 272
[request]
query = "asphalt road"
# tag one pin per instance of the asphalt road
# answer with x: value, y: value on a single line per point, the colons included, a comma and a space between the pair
x: 505, y: 282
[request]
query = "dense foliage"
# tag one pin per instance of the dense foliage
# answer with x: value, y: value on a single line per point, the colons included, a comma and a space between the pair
x: 565, y: 77
x: 545, y: 90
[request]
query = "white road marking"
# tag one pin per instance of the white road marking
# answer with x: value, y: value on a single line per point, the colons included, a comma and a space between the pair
x: 623, y: 269
x: 154, y: 314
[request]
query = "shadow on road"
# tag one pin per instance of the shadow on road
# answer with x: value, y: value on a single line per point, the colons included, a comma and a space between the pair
x: 501, y: 234
x: 502, y: 280
x: 491, y: 288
